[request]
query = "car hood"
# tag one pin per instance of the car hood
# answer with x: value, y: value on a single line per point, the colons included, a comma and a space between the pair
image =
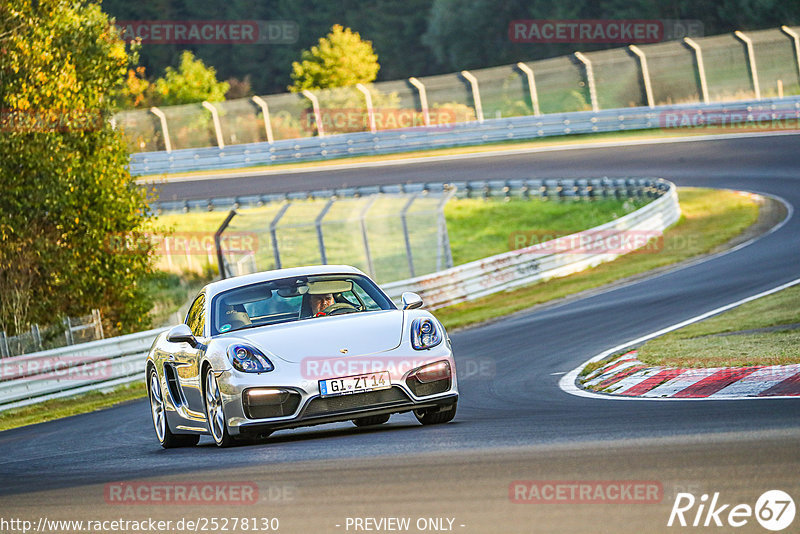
x: 359, y: 333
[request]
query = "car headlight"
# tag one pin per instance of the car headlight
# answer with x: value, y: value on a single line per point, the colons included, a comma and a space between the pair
x: 248, y: 359
x: 424, y: 334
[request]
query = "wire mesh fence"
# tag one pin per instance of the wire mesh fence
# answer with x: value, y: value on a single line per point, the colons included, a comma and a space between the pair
x: 389, y: 236
x: 677, y: 72
x: 71, y: 331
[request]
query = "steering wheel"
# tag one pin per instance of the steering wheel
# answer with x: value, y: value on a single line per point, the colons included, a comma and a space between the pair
x: 337, y: 308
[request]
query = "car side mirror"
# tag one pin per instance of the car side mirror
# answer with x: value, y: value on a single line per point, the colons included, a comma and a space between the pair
x: 181, y: 334
x: 411, y: 300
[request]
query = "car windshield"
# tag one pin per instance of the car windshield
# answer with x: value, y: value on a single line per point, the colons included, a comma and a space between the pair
x: 294, y: 299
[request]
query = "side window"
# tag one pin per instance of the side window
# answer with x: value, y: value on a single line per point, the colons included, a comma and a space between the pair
x: 195, y: 319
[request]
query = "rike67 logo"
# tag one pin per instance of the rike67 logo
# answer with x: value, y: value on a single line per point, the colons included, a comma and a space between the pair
x: 774, y: 510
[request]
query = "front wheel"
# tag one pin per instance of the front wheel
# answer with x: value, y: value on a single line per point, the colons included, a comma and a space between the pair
x: 215, y: 413
x: 435, y: 416
x: 166, y: 438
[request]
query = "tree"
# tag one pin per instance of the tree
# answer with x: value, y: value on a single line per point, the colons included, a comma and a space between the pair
x: 192, y: 82
x: 340, y: 59
x: 69, y: 207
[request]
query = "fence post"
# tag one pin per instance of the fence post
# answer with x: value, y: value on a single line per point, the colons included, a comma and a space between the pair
x: 218, y: 243
x: 37, y: 336
x: 317, y: 114
x: 365, y: 239
x: 68, y: 331
x: 164, y: 128
x: 404, y: 221
x: 531, y: 86
x: 444, y: 238
x: 645, y: 74
x: 589, y: 80
x: 98, y: 324
x: 701, y: 69
x: 4, y: 352
x: 370, y: 111
x: 793, y: 35
x: 265, y: 111
x: 476, y: 93
x: 217, y: 126
x: 751, y: 58
x: 318, y: 223
x: 273, y: 234
x: 423, y: 99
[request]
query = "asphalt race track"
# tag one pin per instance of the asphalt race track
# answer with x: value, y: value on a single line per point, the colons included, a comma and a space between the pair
x: 513, y: 421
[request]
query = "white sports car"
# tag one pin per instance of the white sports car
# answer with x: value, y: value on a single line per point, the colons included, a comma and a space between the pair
x: 297, y: 347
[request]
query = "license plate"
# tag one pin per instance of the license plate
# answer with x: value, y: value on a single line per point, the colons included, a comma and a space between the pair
x: 354, y: 384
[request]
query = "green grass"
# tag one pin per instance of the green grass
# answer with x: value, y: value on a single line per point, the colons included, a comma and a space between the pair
x: 699, y: 345
x: 481, y: 228
x: 58, y: 408
x: 709, y: 219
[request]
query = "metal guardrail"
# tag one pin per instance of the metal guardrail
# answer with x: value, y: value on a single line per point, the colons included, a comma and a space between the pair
x: 464, y: 134
x: 66, y: 371
x: 104, y: 364
x: 538, y: 262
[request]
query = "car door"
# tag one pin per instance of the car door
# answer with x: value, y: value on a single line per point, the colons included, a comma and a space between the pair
x: 187, y: 360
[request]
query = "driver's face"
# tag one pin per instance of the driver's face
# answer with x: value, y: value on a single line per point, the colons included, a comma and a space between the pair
x: 320, y: 302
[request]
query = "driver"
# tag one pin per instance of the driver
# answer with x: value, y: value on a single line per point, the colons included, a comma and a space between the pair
x: 320, y: 302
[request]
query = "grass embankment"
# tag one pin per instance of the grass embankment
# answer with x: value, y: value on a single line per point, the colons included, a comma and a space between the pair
x: 58, y: 408
x: 709, y: 219
x: 761, y: 332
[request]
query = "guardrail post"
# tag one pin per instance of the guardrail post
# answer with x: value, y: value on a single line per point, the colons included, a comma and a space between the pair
x: 531, y: 86
x: 589, y: 80
x: 370, y: 111
x: 645, y: 74
x: 476, y: 93
x: 317, y: 113
x: 365, y: 239
x: 793, y: 35
x: 751, y: 58
x: 273, y: 233
x: 423, y: 99
x: 217, y: 126
x: 404, y: 221
x: 701, y: 69
x: 318, y: 223
x: 265, y: 111
x: 164, y: 128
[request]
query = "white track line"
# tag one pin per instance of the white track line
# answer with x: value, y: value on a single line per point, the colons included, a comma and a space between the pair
x: 333, y: 166
x: 567, y: 382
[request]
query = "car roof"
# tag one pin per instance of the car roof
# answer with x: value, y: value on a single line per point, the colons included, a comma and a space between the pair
x: 214, y: 288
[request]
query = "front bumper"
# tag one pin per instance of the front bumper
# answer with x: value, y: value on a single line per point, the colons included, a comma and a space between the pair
x: 311, y: 408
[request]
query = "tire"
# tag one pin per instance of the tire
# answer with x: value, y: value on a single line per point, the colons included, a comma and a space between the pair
x: 215, y: 413
x: 371, y: 420
x: 436, y: 416
x: 165, y: 437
